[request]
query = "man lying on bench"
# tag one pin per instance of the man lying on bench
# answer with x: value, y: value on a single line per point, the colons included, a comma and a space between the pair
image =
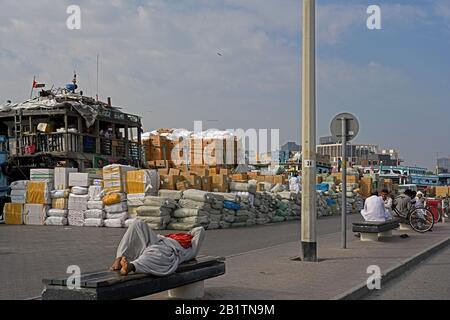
x: 141, y: 250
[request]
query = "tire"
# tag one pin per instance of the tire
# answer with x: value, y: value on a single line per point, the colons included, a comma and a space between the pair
x: 419, y: 224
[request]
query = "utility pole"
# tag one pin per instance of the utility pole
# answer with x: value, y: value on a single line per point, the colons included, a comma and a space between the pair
x: 309, y: 212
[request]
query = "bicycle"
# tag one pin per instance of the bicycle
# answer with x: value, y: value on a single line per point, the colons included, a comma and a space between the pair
x: 421, y: 219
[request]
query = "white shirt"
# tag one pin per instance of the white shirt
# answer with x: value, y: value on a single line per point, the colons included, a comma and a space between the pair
x: 374, y: 210
x: 294, y: 184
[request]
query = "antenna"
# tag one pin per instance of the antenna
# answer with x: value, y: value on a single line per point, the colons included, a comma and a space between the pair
x: 98, y: 57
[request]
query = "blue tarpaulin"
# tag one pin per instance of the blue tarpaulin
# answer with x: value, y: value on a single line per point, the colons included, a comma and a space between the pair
x: 323, y: 187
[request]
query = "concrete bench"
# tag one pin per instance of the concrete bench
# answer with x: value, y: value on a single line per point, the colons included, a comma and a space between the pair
x: 372, y: 231
x: 186, y: 283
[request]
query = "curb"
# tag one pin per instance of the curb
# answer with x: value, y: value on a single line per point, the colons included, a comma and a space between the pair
x: 361, y: 291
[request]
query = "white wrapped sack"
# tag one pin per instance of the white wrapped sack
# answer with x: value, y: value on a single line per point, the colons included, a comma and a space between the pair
x: 117, y: 208
x: 185, y: 212
x: 114, y: 223
x: 78, y: 202
x: 170, y: 194
x: 135, y: 199
x: 56, y: 221
x: 18, y: 193
x: 76, y: 218
x: 59, y: 194
x: 80, y: 190
x: 95, y: 193
x: 19, y: 185
x: 94, y: 222
x: 93, y: 204
x: 114, y: 216
x: 129, y: 222
x: 197, y: 195
x: 94, y: 214
x: 57, y: 213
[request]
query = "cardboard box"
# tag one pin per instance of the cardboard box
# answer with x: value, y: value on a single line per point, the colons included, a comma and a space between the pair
x: 170, y: 182
x: 366, y: 187
x: 213, y: 171
x: 183, y: 185
x: 164, y: 172
x: 253, y: 175
x: 61, y: 181
x: 220, y: 183
x: 442, y: 191
x: 269, y: 179
x: 44, y: 128
x: 225, y: 171
x: 13, y: 213
x: 283, y: 179
x: 207, y: 183
x: 319, y: 179
x: 239, y: 177
x: 174, y: 172
x: 194, y: 181
x: 79, y: 179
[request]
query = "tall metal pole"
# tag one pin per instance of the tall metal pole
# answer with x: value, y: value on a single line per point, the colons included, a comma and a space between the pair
x: 309, y: 212
x: 344, y: 183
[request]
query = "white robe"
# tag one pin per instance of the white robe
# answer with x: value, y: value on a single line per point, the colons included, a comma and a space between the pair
x: 155, y: 254
x: 374, y: 210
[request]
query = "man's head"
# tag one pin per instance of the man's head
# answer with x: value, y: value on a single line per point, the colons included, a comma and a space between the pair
x: 374, y: 193
x: 409, y: 193
x: 419, y: 195
x: 384, y: 194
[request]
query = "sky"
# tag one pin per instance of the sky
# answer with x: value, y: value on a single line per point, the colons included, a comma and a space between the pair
x: 159, y: 59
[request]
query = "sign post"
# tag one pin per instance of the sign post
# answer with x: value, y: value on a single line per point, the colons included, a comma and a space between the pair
x: 344, y: 127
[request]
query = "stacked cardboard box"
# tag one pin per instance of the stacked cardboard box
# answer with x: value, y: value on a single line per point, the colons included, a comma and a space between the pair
x: 442, y: 192
x: 61, y: 181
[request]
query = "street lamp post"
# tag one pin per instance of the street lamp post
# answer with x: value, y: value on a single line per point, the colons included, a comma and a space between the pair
x: 309, y: 212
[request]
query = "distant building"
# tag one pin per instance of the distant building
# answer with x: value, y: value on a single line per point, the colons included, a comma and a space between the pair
x: 291, y: 147
x: 443, y: 165
x: 356, y: 152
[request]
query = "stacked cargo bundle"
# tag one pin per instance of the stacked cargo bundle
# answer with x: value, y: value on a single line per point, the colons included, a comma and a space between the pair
x: 171, y: 194
x: 43, y: 175
x: 139, y: 184
x: 115, y: 178
x: 58, y: 214
x: 156, y: 211
x: 194, y: 211
x: 94, y: 216
x: 116, y: 210
x: 13, y: 213
x: 38, y: 200
x: 78, y: 198
x: 19, y: 191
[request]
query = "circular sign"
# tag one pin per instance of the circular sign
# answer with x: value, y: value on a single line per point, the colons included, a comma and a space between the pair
x: 352, y: 126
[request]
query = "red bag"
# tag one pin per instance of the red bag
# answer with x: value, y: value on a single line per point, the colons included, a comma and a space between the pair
x: 184, y: 239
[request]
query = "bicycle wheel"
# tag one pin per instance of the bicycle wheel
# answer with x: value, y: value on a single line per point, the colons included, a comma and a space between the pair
x: 421, y: 220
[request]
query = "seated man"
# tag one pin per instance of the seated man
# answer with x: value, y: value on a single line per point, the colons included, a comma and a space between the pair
x: 141, y: 250
x: 403, y: 202
x: 374, y: 210
x: 385, y: 196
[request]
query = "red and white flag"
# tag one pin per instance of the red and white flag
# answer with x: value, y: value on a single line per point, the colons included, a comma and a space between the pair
x: 38, y: 85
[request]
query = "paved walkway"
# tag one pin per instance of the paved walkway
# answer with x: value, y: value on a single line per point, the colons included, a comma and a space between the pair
x: 430, y: 280
x: 259, y: 264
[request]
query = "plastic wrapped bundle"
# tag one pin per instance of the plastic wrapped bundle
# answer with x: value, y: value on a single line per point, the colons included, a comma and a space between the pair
x: 19, y: 185
x: 143, y: 181
x: 93, y: 204
x: 92, y: 222
x: 95, y: 193
x: 114, y: 223
x: 160, y: 202
x: 56, y: 221
x: 38, y: 193
x: 136, y: 199
x: 114, y: 198
x: 78, y: 202
x: 60, y: 194
x: 170, y: 194
x: 94, y: 214
x: 60, y: 203
x: 57, y: 213
x: 152, y: 211
x: 80, y: 190
x: 197, y: 195
x: 116, y: 208
x: 191, y: 204
x: 76, y: 218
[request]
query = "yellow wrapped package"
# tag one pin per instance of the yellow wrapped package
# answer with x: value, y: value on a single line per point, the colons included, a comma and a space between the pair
x: 38, y: 193
x: 115, y: 177
x: 13, y: 213
x: 61, y: 203
x: 137, y: 181
x: 112, y: 198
